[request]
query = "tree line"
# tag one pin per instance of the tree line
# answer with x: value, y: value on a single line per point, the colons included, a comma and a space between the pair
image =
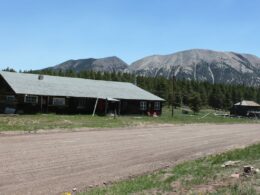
x: 178, y: 93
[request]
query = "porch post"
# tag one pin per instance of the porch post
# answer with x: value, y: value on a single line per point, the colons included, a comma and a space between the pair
x: 106, y: 107
x: 47, y: 104
x: 41, y: 103
x: 119, y: 107
x: 94, y: 111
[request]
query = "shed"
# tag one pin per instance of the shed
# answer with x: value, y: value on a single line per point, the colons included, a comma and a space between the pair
x: 246, y: 108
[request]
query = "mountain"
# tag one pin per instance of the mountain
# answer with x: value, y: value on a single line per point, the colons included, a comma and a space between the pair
x: 202, y: 65
x: 195, y: 64
x: 109, y: 64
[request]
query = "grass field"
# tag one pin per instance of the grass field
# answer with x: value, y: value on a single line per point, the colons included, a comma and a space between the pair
x: 53, y: 121
x: 202, y: 176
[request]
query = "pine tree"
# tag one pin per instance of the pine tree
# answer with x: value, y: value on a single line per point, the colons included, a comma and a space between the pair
x: 227, y: 104
x: 216, y: 99
x: 195, y: 102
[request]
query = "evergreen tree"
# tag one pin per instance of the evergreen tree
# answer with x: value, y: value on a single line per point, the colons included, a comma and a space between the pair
x: 195, y: 102
x: 227, y: 104
x: 216, y: 98
x: 9, y: 69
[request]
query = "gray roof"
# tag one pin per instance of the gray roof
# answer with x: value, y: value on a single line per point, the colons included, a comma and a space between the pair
x: 24, y: 83
x: 247, y: 103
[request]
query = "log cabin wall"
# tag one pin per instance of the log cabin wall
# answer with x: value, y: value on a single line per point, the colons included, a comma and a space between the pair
x: 7, y: 96
x: 142, y: 107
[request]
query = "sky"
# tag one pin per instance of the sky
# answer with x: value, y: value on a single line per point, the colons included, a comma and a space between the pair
x: 36, y: 34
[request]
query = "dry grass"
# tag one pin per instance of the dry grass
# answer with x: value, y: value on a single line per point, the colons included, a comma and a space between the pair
x: 53, y: 121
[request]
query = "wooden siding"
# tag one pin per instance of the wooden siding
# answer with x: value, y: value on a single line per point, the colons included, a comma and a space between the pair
x: 5, y: 91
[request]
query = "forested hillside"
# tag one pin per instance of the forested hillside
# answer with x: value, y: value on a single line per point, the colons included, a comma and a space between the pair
x: 219, y: 96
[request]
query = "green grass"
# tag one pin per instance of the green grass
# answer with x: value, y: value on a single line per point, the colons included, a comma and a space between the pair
x: 53, y: 121
x: 204, y: 116
x: 190, y: 176
x: 237, y: 189
x: 131, y: 186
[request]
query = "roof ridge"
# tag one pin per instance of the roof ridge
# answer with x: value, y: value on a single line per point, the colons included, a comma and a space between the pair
x: 58, y: 76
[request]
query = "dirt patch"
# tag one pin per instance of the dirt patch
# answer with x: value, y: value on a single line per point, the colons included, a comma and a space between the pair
x: 51, y: 163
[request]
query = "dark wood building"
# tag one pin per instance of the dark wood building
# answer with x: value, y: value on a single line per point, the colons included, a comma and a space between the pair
x: 31, y: 93
x: 246, y: 109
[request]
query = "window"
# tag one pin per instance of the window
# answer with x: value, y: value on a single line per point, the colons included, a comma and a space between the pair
x: 124, y: 105
x: 81, y: 103
x: 32, y: 99
x: 143, y: 105
x: 157, y: 106
x: 58, y: 101
x: 10, y: 98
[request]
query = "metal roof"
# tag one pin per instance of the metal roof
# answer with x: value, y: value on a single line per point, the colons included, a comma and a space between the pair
x: 247, y: 103
x: 112, y: 99
x: 24, y: 83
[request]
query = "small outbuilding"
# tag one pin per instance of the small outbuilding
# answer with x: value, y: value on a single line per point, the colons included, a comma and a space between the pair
x: 32, y: 93
x: 246, y: 108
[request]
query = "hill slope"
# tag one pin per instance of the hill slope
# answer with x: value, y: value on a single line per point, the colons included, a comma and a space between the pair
x: 202, y: 65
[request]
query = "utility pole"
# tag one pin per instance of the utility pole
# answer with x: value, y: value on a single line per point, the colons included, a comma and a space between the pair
x: 173, y: 88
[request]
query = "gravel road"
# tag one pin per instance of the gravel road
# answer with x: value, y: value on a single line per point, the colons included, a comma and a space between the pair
x: 53, y: 163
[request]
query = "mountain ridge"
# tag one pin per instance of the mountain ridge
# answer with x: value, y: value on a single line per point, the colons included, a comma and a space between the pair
x: 194, y: 64
x: 107, y: 64
x: 202, y: 65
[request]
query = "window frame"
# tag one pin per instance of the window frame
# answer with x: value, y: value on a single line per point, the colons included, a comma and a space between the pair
x: 58, y: 99
x: 143, y: 105
x: 28, y: 99
x: 157, y: 106
x: 10, y: 98
x: 82, y: 102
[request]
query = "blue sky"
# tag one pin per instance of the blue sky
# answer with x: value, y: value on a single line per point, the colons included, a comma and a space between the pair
x: 40, y: 33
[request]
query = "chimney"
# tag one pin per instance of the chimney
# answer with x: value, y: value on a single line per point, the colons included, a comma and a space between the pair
x: 40, y: 77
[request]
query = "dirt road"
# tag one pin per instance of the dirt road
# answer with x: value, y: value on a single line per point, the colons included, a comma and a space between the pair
x: 56, y: 162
